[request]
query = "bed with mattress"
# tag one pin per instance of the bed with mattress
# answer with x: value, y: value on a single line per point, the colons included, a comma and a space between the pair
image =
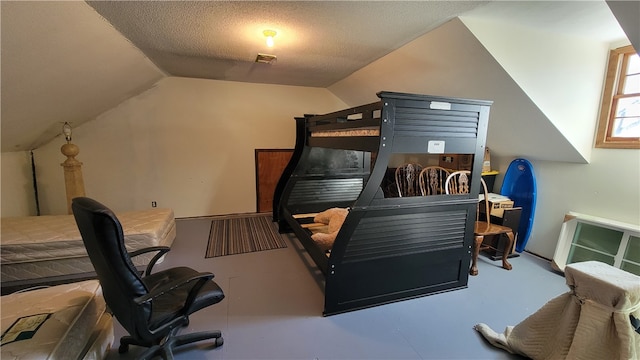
x: 387, y: 248
x: 49, y: 250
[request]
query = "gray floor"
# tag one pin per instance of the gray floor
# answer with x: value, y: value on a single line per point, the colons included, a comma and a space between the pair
x: 273, y: 309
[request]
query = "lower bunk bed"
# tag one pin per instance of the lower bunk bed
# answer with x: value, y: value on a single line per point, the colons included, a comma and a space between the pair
x: 393, y: 254
x: 48, y: 250
x: 385, y: 248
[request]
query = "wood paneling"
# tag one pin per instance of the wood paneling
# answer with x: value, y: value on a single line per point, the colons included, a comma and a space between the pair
x: 269, y: 166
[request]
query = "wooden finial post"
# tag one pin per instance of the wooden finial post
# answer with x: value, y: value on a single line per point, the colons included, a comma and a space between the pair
x: 73, y: 181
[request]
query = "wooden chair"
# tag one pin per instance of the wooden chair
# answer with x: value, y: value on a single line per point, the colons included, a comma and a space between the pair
x: 407, y: 181
x: 458, y: 183
x: 433, y: 179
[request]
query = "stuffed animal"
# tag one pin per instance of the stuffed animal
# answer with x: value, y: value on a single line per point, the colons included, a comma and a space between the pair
x: 333, y: 217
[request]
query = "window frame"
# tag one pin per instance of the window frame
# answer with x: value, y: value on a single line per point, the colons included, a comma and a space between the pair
x: 618, y: 59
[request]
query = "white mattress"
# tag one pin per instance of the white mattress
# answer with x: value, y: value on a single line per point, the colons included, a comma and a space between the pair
x: 101, y: 339
x: 77, y: 327
x: 43, y: 246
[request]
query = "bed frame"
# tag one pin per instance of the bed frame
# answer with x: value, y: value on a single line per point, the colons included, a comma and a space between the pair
x: 389, y: 248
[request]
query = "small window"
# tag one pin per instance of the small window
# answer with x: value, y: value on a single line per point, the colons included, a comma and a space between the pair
x: 619, y: 122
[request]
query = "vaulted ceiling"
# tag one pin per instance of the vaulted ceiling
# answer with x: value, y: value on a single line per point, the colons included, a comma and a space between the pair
x: 72, y: 60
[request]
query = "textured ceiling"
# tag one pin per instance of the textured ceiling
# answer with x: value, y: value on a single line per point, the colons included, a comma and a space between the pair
x: 317, y: 42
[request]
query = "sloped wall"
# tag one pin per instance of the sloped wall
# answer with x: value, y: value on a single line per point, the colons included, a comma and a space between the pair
x: 450, y: 61
x: 561, y: 74
x: 61, y: 61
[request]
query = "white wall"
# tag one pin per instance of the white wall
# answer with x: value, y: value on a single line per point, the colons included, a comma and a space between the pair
x: 186, y: 143
x: 558, y: 72
x: 608, y: 187
x: 17, y: 194
x: 450, y: 61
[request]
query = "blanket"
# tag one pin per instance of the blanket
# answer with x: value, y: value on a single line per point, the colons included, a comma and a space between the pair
x: 594, y: 320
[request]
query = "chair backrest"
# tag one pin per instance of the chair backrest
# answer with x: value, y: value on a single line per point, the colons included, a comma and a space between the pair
x: 458, y: 182
x: 433, y: 180
x: 121, y: 283
x: 407, y: 179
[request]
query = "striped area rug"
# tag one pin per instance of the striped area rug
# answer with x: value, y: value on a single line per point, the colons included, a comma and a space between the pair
x: 240, y: 234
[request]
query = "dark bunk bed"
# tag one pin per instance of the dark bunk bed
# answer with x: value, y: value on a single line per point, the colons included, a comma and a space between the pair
x: 388, y: 248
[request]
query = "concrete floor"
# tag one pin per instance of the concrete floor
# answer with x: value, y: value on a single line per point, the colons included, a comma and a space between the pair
x: 273, y: 308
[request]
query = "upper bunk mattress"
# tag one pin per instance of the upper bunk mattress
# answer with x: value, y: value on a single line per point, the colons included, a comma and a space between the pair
x: 51, y: 237
x: 367, y: 131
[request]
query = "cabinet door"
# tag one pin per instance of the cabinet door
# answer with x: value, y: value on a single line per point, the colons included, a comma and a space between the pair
x: 631, y: 257
x: 592, y: 242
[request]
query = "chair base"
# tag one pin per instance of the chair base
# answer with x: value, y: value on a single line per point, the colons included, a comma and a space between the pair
x: 165, y: 348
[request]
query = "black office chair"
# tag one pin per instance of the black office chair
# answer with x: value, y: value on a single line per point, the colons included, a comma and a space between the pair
x: 151, y: 308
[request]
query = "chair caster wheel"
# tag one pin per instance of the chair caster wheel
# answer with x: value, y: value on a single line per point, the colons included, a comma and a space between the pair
x: 123, y: 348
x: 219, y: 341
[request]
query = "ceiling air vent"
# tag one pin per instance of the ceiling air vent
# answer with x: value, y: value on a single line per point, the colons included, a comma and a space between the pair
x: 266, y: 59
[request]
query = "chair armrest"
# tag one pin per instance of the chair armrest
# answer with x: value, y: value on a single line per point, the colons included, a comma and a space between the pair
x: 203, y: 276
x: 161, y: 251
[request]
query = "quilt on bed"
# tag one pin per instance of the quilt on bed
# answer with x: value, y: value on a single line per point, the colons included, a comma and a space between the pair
x: 38, y: 246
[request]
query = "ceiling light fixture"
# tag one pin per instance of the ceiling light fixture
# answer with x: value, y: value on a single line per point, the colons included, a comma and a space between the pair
x: 269, y: 34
